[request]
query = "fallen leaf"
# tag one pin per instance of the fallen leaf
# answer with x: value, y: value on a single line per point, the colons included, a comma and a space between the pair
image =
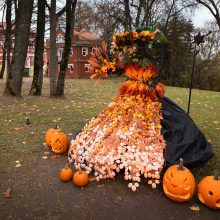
x: 44, y: 157
x: 195, y: 208
x: 18, y: 165
x: 54, y: 156
x: 7, y: 193
x: 46, y: 152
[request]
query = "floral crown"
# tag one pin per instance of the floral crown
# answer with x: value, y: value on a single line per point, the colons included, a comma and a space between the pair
x: 140, y: 46
x: 148, y: 35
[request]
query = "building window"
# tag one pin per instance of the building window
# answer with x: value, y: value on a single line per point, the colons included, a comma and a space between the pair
x: 60, y: 39
x: 93, y: 50
x: 59, y: 54
x: 71, y: 52
x: 85, y: 51
x: 87, y: 67
x: 71, y: 67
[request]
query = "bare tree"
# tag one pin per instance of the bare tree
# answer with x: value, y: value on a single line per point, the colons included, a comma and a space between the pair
x: 127, y: 14
x: 213, y: 6
x: 53, y: 23
x: 53, y: 51
x: 23, y: 22
x: 39, y: 50
x: 70, y: 15
x: 4, y: 46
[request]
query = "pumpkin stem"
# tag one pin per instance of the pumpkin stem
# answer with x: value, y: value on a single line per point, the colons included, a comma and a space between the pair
x: 55, y: 126
x: 180, y: 167
x: 66, y: 166
x: 216, y: 175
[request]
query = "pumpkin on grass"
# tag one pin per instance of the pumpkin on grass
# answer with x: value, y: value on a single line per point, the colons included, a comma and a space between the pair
x: 59, y: 142
x: 209, y: 191
x: 49, y: 134
x: 81, y: 178
x: 66, y: 174
x: 178, y: 183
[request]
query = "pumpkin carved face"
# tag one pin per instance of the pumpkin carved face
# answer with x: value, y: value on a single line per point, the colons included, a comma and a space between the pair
x: 49, y: 135
x: 59, y: 142
x: 209, y: 191
x: 178, y: 183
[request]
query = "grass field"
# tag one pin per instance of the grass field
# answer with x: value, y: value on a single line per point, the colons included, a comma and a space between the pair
x: 84, y: 99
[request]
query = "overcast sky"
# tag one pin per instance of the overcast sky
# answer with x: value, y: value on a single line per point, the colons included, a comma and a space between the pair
x: 202, y: 15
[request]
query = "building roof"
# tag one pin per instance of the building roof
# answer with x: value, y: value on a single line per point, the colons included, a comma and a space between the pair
x: 81, y: 37
x: 86, y: 35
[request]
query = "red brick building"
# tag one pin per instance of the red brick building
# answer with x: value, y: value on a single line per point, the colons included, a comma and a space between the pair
x: 82, y: 44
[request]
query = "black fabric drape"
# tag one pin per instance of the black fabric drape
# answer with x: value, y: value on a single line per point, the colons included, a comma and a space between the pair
x: 182, y: 136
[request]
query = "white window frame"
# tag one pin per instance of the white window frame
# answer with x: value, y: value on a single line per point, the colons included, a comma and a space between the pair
x: 87, y: 66
x: 71, y: 52
x: 71, y: 67
x: 28, y: 62
x: 59, y: 54
x: 85, y: 51
x: 60, y: 38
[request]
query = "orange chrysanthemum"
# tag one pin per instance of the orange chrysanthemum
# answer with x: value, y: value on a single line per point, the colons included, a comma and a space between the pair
x: 160, y: 90
x: 136, y: 72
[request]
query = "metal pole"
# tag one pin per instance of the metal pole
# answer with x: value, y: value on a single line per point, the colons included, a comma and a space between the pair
x: 191, y: 82
x: 198, y: 39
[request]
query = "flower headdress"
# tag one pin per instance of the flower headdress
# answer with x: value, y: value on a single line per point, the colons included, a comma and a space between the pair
x: 137, y: 52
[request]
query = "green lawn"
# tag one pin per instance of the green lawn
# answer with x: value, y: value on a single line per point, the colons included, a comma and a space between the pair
x: 84, y: 99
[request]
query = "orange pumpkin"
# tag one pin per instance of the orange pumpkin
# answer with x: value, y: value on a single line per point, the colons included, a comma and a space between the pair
x: 80, y: 178
x: 209, y: 191
x: 66, y: 174
x: 178, y: 183
x: 59, y: 142
x: 49, y: 135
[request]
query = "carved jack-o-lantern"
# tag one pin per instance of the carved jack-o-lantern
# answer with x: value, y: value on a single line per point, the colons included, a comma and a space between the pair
x: 49, y: 135
x: 179, y: 183
x: 209, y: 191
x: 59, y: 142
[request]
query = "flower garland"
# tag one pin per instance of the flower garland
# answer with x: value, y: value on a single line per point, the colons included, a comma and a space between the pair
x: 101, y: 65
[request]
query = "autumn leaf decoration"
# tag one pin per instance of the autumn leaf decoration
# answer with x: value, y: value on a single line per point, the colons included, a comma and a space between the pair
x: 101, y: 65
x: 141, y: 82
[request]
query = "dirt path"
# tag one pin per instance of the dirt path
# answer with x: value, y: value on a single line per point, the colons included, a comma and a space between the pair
x: 37, y: 193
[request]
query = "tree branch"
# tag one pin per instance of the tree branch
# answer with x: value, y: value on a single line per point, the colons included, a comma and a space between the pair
x: 132, y: 4
x: 207, y: 6
x: 63, y: 10
x: 47, y: 5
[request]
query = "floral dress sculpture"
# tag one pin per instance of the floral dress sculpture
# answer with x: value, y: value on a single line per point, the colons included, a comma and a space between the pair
x: 127, y: 135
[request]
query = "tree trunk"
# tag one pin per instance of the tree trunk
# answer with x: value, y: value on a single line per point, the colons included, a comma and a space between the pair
x: 53, y: 50
x: 15, y: 75
x: 39, y: 51
x: 127, y: 16
x: 70, y: 17
x: 3, y: 61
x: 7, y: 45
